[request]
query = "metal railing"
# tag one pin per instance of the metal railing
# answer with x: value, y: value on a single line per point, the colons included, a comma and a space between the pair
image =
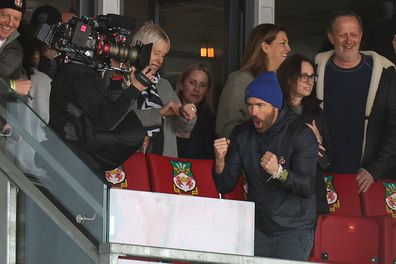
x: 18, y: 179
x: 110, y: 253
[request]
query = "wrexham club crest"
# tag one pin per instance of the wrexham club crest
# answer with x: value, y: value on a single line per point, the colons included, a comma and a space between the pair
x: 390, y: 198
x: 332, y: 196
x: 183, y: 179
x: 117, y: 178
x: 18, y: 3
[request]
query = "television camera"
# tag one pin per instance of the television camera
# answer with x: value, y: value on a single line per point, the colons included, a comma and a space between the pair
x: 96, y: 41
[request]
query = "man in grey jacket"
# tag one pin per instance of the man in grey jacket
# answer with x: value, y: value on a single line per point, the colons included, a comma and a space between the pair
x: 11, y: 53
x: 358, y: 90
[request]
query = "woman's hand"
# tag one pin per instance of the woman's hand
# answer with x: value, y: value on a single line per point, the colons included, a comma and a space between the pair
x: 170, y: 109
x: 22, y: 87
x: 188, y: 111
x: 319, y: 138
x: 315, y: 129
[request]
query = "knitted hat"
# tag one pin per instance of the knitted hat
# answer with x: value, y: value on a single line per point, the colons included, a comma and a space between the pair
x: 266, y: 88
x: 19, y: 5
x: 45, y: 14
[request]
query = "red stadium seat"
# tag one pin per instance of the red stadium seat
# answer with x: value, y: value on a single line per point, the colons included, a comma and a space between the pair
x: 344, y: 235
x: 181, y: 176
x: 238, y: 193
x: 342, y: 194
x: 346, y: 239
x: 379, y: 203
x: 380, y: 199
x: 136, y: 171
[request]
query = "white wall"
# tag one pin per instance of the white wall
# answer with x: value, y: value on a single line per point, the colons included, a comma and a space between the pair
x: 265, y: 11
x: 109, y: 6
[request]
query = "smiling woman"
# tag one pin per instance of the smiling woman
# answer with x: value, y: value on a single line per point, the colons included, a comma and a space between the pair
x: 297, y: 77
x: 266, y: 48
x: 159, y: 109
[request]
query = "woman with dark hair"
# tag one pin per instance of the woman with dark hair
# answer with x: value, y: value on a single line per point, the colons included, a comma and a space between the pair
x: 297, y: 77
x: 195, y: 86
x: 267, y: 47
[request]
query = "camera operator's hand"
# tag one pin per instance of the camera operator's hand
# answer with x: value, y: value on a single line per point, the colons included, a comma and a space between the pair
x: 188, y: 111
x: 22, y: 87
x: 170, y: 109
x: 147, y: 71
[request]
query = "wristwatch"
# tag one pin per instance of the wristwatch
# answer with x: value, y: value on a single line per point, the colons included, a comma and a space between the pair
x: 282, y: 174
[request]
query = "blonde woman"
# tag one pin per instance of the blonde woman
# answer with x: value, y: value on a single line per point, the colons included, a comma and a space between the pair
x: 195, y: 86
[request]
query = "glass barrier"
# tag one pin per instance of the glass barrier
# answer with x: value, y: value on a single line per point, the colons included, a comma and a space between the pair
x: 27, y: 140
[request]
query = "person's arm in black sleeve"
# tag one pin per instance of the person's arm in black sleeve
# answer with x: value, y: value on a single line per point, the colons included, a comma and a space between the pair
x: 105, y: 112
x: 85, y: 88
x: 324, y: 158
x: 385, y: 152
x: 227, y: 169
x: 301, y: 173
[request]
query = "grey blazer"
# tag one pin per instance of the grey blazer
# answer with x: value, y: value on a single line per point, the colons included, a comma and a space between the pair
x: 174, y: 125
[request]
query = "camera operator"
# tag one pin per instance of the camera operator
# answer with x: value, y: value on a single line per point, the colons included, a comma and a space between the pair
x: 102, y: 129
x: 104, y: 132
x: 49, y: 58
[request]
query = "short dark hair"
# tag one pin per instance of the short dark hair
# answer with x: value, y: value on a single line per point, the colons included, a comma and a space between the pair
x: 343, y: 13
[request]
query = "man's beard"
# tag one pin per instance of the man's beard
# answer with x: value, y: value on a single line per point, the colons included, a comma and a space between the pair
x: 265, y: 123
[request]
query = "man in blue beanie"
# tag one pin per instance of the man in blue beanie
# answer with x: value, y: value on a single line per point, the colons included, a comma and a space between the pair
x: 278, y: 155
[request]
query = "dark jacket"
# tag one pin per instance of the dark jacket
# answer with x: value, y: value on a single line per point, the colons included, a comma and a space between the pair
x: 379, y: 143
x: 82, y: 114
x: 200, y: 143
x: 312, y: 111
x: 278, y: 206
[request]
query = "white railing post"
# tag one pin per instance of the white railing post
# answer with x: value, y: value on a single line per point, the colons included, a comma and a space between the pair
x: 8, y: 205
x: 265, y: 11
x: 109, y: 7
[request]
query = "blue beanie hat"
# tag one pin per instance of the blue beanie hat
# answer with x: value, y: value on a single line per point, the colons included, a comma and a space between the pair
x: 266, y: 87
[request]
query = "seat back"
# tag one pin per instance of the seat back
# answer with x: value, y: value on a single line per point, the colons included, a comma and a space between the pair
x: 136, y: 172
x: 379, y: 203
x: 380, y: 199
x: 342, y: 194
x: 238, y: 193
x: 181, y: 176
x: 344, y: 235
x: 346, y: 239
